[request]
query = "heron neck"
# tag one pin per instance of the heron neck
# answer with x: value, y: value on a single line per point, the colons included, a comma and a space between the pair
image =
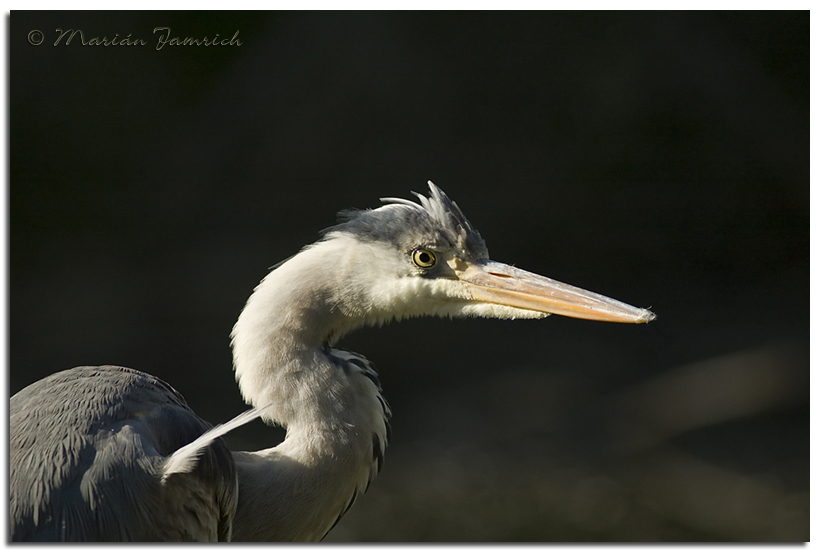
x: 281, y: 338
x: 334, y: 416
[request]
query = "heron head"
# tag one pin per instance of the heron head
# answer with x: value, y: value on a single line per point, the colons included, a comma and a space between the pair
x: 412, y: 259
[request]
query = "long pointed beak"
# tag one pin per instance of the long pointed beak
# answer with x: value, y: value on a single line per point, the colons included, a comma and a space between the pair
x: 501, y: 284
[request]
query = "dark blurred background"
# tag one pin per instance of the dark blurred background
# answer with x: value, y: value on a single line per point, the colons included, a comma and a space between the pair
x: 659, y: 158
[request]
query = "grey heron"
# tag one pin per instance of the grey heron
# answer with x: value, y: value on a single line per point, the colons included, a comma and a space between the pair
x: 113, y: 454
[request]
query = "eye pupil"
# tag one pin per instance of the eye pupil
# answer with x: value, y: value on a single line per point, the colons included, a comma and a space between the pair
x: 424, y: 257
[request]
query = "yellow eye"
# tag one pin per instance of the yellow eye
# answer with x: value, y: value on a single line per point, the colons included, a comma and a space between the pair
x: 424, y: 258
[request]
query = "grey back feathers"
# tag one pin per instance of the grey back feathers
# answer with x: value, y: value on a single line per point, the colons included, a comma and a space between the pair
x: 87, y: 450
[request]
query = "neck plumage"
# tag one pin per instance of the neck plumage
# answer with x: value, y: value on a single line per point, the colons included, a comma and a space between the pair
x: 328, y: 400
